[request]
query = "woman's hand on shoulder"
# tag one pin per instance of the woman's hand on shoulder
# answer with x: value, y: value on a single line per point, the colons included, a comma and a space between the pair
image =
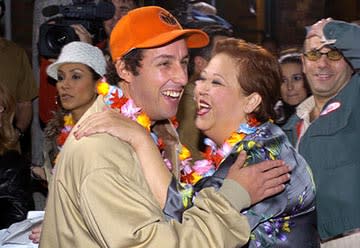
x: 113, y: 123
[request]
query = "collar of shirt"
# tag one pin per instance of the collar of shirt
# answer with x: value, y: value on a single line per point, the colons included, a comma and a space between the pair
x: 303, y: 112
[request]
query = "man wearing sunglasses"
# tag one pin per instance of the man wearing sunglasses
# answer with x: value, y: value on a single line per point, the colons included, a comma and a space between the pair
x: 326, y: 128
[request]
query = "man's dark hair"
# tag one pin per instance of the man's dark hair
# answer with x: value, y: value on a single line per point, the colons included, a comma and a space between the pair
x: 132, y: 62
x: 205, y: 52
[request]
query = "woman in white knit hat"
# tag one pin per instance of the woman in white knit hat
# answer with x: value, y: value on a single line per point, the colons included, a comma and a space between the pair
x: 77, y: 70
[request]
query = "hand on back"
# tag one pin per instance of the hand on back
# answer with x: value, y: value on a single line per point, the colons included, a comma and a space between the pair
x: 260, y: 180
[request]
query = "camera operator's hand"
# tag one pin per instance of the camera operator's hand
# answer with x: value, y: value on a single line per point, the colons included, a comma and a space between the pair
x: 83, y: 34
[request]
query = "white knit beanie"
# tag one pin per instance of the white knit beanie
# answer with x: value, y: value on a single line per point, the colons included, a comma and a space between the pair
x: 79, y: 52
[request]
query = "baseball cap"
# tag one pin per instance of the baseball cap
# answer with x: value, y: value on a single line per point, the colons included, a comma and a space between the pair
x: 79, y: 52
x: 149, y: 27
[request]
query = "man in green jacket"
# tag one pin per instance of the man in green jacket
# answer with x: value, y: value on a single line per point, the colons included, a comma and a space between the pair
x: 326, y: 128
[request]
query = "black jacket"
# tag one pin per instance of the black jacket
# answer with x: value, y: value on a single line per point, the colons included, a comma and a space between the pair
x: 15, y: 188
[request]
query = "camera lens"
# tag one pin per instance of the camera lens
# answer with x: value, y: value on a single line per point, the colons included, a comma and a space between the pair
x: 58, y: 36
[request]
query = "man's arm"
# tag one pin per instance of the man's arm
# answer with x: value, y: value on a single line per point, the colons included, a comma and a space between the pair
x: 261, y: 181
x: 121, y: 212
x: 119, y: 209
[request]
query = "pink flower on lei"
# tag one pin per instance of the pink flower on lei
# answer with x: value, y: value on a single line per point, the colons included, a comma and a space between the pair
x: 130, y: 110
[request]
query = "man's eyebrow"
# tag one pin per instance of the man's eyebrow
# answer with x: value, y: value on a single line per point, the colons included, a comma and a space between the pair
x: 167, y: 56
x: 164, y: 56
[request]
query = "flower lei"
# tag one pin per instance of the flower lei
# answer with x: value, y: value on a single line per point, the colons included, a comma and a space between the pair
x: 65, y: 131
x: 115, y: 99
x: 214, y: 156
x: 190, y: 174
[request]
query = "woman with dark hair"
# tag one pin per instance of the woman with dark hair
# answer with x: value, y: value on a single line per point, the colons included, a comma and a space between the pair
x: 294, y: 87
x: 235, y: 97
x: 77, y: 70
x: 15, y: 194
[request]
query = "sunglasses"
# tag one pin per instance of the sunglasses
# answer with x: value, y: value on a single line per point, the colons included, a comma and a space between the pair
x: 314, y: 55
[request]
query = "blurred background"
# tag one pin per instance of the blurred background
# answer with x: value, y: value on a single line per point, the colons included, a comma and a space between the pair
x: 281, y: 21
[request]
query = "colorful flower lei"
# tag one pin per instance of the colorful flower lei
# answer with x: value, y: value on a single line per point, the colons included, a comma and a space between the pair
x: 115, y: 99
x: 190, y: 174
x: 214, y: 156
x: 65, y: 131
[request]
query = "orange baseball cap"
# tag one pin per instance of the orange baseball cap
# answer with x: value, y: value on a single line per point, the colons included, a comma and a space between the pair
x: 149, y: 27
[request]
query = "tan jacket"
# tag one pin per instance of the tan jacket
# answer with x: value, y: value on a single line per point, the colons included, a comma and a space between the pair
x: 100, y: 198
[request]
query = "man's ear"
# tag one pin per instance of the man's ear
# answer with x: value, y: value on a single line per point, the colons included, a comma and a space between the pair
x: 253, y: 102
x: 121, y: 70
x: 200, y: 63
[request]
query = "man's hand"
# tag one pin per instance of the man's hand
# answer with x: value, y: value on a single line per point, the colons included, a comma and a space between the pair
x: 317, y: 29
x: 83, y: 34
x: 260, y: 180
x: 36, y: 233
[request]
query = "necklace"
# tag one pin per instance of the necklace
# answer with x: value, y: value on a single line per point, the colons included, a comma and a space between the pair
x: 115, y: 99
x: 214, y: 155
x: 189, y: 173
x: 65, y: 131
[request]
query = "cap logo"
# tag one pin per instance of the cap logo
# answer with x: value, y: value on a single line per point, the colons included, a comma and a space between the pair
x: 168, y: 18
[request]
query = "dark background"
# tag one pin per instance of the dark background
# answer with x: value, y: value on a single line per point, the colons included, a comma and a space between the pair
x: 282, y: 20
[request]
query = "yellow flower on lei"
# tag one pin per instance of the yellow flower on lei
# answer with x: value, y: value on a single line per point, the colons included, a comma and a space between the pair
x: 103, y: 88
x: 68, y: 120
x: 235, y: 138
x: 144, y: 121
x: 184, y: 153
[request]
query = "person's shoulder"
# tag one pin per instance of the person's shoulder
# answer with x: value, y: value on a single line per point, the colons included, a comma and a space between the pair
x: 101, y: 147
x: 99, y: 143
x: 96, y: 154
x: 5, y: 43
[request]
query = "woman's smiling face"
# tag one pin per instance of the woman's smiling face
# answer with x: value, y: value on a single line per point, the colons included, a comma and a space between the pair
x: 219, y: 98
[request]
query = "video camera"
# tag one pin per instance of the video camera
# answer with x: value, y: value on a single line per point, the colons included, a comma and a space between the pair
x: 57, y: 32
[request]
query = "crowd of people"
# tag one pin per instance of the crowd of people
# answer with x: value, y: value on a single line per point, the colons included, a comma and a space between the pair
x: 179, y: 136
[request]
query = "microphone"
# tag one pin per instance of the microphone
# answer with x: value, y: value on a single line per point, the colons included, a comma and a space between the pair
x: 101, y: 11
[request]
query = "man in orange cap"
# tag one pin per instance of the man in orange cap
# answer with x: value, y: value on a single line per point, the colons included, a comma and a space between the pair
x: 99, y: 196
